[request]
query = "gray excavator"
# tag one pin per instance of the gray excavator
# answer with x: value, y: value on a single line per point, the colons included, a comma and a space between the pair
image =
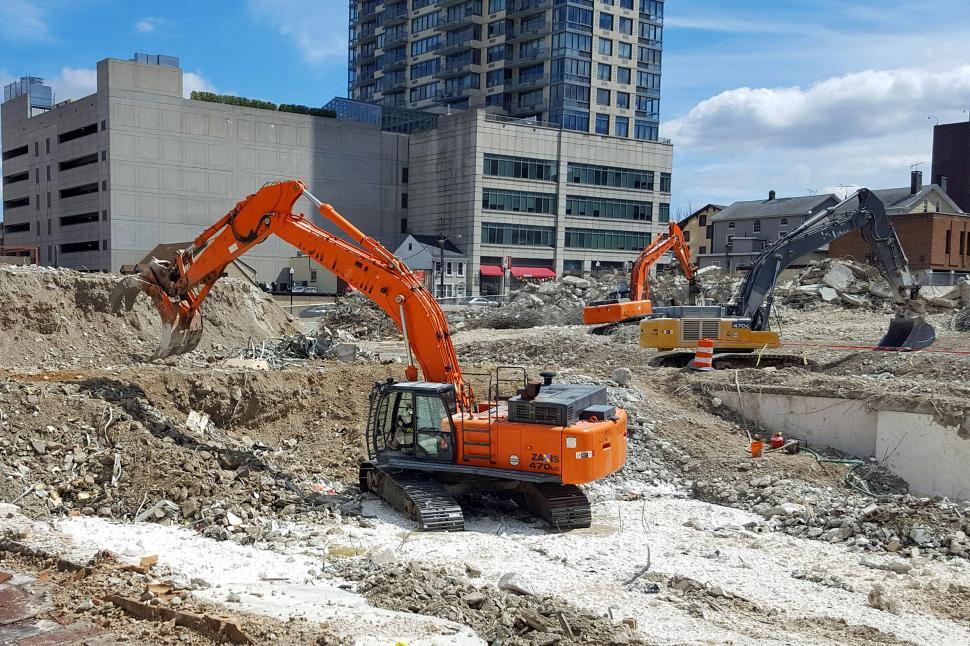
x: 743, y: 325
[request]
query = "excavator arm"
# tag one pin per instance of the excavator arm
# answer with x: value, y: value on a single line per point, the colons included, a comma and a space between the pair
x: 907, y: 329
x: 179, y: 287
x: 651, y: 254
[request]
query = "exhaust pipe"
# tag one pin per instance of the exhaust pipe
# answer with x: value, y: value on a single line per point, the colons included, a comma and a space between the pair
x: 908, y: 333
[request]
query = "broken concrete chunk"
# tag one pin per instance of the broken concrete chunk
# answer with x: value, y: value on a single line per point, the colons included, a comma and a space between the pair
x: 838, y: 276
x: 622, y: 376
x: 39, y: 446
x: 828, y: 294
x: 517, y: 583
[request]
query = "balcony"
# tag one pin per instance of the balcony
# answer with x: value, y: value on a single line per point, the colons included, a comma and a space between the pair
x: 396, y: 64
x: 364, y: 59
x: 453, y: 94
x: 458, y: 22
x: 395, y: 14
x: 453, y: 47
x: 523, y: 7
x: 524, y: 85
x: 532, y: 56
x: 534, y: 108
x: 366, y: 36
x: 459, y: 69
x: 529, y: 32
x: 392, y: 38
x: 444, y: 4
x: 393, y: 87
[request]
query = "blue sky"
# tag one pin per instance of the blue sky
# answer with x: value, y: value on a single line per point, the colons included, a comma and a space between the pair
x: 794, y: 96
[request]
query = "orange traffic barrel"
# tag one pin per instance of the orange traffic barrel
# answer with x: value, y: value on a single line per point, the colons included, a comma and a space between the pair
x: 703, y: 356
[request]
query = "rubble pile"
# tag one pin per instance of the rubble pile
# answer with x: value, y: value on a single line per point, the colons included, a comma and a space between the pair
x: 61, y: 318
x: 98, y: 446
x: 904, y: 524
x: 296, y: 349
x: 359, y: 317
x: 845, y: 282
x: 961, y: 320
x: 510, y: 613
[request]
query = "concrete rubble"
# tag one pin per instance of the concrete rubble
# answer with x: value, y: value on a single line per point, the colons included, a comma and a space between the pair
x: 252, y: 443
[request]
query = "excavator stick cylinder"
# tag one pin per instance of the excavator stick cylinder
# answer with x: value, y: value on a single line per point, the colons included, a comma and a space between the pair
x: 908, y: 333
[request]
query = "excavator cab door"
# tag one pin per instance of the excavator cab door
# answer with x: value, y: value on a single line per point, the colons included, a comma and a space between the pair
x: 413, y: 420
x: 434, y: 432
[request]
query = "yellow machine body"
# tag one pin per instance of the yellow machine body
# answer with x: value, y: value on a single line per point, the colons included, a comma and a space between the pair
x: 728, y: 334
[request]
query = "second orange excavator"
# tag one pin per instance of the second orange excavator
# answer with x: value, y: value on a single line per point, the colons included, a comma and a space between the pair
x: 428, y: 439
x: 637, y: 305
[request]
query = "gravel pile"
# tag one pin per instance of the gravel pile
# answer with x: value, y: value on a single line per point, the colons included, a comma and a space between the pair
x: 360, y: 317
x: 903, y: 524
x: 509, y: 613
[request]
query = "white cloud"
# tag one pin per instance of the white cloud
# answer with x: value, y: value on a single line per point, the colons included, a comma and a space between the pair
x: 74, y: 83
x: 192, y: 82
x: 317, y: 29
x: 861, y: 105
x: 22, y: 21
x: 859, y: 129
x: 145, y: 26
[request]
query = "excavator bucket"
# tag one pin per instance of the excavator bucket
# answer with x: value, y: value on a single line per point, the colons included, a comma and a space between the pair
x: 181, y: 324
x: 908, y: 333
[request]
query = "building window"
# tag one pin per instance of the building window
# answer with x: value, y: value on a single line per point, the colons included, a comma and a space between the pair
x: 565, y: 44
x: 427, y: 21
x: 623, y: 100
x: 520, y: 167
x: 449, y: 269
x: 14, y: 152
x: 79, y: 247
x: 731, y: 224
x: 494, y: 199
x: 757, y: 226
x: 609, y: 209
x: 611, y: 240
x: 625, y: 50
x: 570, y: 120
x: 623, y: 75
x: 602, y: 97
x: 404, y: 200
x: 495, y: 77
x: 426, y: 68
x: 702, y: 250
x: 570, y: 69
x: 404, y: 175
x: 602, y: 124
x: 461, y: 268
x: 17, y: 202
x: 526, y: 235
x: 606, y: 21
x: 702, y: 220
x: 626, y: 26
x: 48, y: 199
x: 604, y: 72
x: 686, y: 236
x: 77, y: 133
x: 664, y: 182
x: 75, y: 191
x: 621, y: 127
x: 609, y: 176
x: 605, y: 47
x: 425, y: 45
x: 404, y: 227
x: 77, y: 162
x: 496, y: 5
x: 47, y: 144
x: 783, y: 223
x: 423, y: 92
x: 949, y: 236
x: 664, y: 212
x: 17, y: 177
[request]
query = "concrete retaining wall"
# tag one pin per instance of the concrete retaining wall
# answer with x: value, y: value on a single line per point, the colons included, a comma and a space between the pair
x: 931, y: 457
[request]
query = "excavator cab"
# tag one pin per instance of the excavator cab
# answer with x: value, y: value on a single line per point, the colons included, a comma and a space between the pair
x: 412, y: 420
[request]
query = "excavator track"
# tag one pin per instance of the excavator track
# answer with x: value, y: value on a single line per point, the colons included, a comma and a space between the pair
x: 421, y: 498
x: 733, y: 360
x: 562, y: 506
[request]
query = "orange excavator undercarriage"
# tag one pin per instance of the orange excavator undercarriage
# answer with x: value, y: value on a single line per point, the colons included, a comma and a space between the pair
x: 429, y: 437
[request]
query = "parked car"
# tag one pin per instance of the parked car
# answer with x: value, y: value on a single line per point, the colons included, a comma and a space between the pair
x: 310, y: 290
x: 315, y: 310
x: 297, y: 289
x: 481, y: 301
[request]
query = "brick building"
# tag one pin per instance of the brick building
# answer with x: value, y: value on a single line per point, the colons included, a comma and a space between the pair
x: 934, y: 232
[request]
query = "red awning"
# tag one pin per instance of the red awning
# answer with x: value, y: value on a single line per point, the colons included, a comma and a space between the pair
x: 538, y: 273
x: 490, y: 270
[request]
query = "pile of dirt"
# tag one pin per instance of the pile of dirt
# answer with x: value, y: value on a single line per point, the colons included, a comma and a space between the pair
x: 227, y: 451
x: 509, y: 614
x: 59, y: 318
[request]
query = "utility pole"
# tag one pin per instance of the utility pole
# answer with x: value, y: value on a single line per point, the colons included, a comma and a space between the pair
x: 441, y: 278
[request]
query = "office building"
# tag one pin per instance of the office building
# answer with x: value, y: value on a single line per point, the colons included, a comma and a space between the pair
x: 951, y: 161
x: 98, y: 182
x: 533, y: 201
x: 581, y: 65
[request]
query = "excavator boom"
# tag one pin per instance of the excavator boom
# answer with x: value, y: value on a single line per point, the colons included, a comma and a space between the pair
x: 613, y: 311
x: 179, y: 287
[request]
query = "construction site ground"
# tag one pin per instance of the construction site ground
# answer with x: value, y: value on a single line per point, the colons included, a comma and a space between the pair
x: 244, y: 486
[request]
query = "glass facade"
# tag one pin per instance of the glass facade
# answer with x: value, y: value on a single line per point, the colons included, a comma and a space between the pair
x: 496, y: 199
x: 600, y: 207
x: 599, y: 239
x: 520, y: 167
x: 542, y: 47
x: 518, y: 234
x: 609, y: 176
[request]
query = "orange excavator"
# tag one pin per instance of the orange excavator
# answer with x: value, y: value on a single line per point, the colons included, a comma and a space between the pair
x: 614, y: 311
x: 429, y: 438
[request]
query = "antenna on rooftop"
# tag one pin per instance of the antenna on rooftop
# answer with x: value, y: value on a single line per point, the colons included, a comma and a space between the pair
x: 916, y: 165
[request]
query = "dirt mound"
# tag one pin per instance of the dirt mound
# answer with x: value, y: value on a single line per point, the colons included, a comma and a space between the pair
x: 59, y: 318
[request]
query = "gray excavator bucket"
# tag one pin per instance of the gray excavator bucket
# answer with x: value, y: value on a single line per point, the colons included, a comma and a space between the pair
x: 908, y: 333
x: 181, y: 328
